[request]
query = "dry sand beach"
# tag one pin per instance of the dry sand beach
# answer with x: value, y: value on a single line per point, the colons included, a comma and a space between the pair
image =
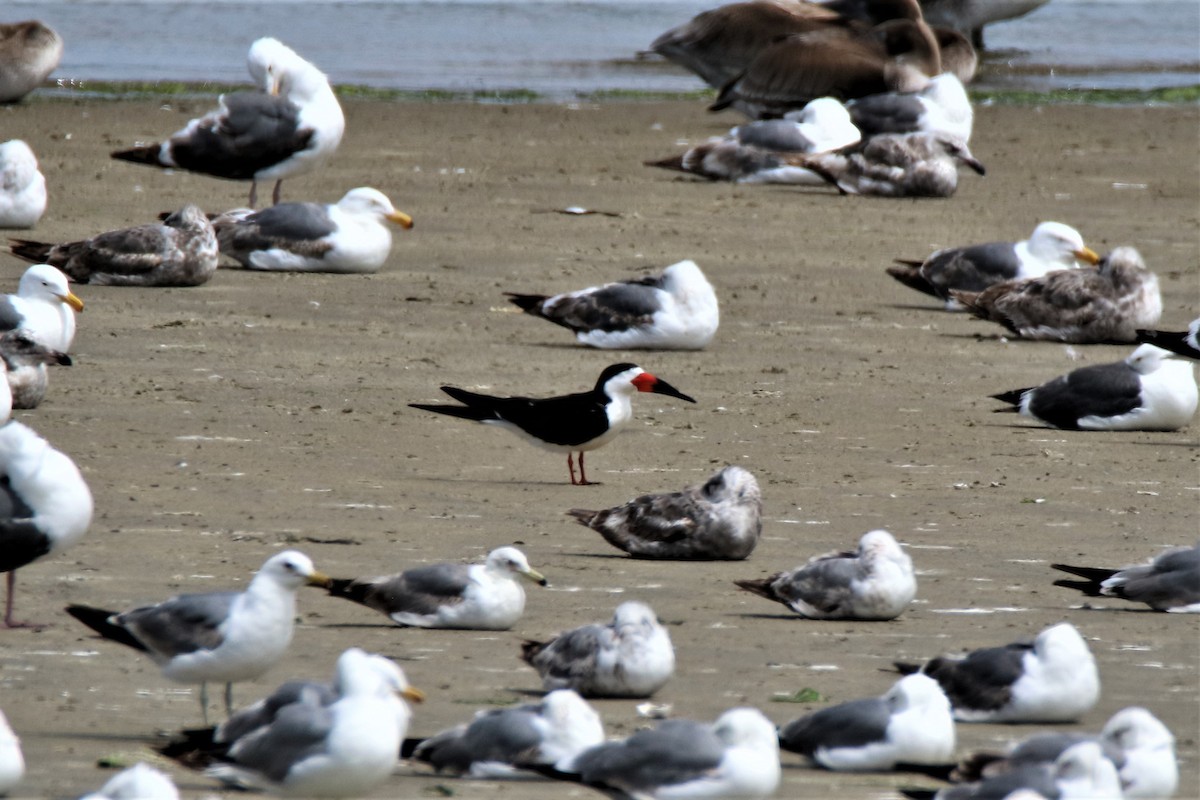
x: 219, y: 424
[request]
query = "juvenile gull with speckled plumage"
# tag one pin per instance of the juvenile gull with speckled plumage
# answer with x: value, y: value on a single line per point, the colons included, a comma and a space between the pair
x: 897, y: 165
x: 25, y: 362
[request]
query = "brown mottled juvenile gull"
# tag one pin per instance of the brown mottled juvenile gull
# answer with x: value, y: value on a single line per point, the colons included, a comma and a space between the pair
x: 44, y: 306
x: 25, y: 360
x: 180, y: 251
x: 896, y: 165
x: 1168, y: 582
x: 29, y: 52
x: 22, y: 186
x: 1185, y: 343
x: 1052, y: 246
x: 718, y: 519
x: 874, y: 582
x: 1083, y: 306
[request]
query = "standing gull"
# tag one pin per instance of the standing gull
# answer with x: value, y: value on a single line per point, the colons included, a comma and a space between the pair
x: 941, y: 107
x: 1083, y: 306
x: 45, y: 505
x: 569, y: 423
x: 180, y: 251
x: 876, y: 582
x: 1052, y: 246
x: 1052, y: 679
x: 673, y: 311
x: 631, y: 656
x: 718, y: 519
x: 897, y: 165
x: 218, y: 636
x: 1168, y: 582
x: 911, y: 724
x: 22, y: 186
x: 346, y: 236
x: 44, y: 306
x: 25, y: 362
x: 485, y: 596
x: 1151, y: 390
x: 29, y: 52
x: 1185, y: 343
x: 290, y: 127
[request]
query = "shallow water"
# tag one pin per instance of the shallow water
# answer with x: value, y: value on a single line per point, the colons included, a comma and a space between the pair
x: 562, y: 48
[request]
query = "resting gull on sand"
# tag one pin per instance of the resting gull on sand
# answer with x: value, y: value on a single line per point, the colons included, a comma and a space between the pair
x: 485, y: 596
x: 718, y: 519
x: 218, y: 636
x: 822, y: 125
x: 910, y: 724
x: 139, y: 782
x: 676, y: 310
x: 46, y: 505
x: 346, y: 236
x: 29, y: 52
x: 875, y: 582
x: 25, y: 362
x: 22, y: 186
x: 1083, y: 306
x: 290, y: 127
x: 44, y: 307
x: 896, y: 165
x: 1080, y: 773
x: 1151, y: 390
x: 180, y: 251
x: 631, y: 656
x: 1168, y: 582
x: 1185, y: 343
x: 12, y: 761
x: 1052, y: 246
x: 1052, y: 679
x: 941, y: 107
x: 499, y: 740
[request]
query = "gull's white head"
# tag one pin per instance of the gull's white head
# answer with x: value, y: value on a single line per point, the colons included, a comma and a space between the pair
x: 1059, y: 243
x: 827, y: 124
x: 510, y: 561
x: 633, y: 614
x: 1063, y: 644
x: 1147, y: 358
x: 916, y: 691
x: 291, y: 569
x: 881, y: 545
x: 1083, y: 771
x: 1136, y: 728
x: 365, y: 200
x: 18, y: 165
x: 747, y: 727
x: 48, y: 284
x: 732, y: 483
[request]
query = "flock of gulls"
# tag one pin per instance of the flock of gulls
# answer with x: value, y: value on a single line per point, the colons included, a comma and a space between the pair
x: 865, y: 95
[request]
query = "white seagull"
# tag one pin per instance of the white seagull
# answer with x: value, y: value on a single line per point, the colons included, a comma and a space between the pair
x: 911, y: 724
x: 875, y: 582
x: 12, y: 761
x: 631, y: 656
x: 44, y: 306
x: 1185, y: 343
x: 22, y: 186
x: 139, y: 782
x: 1168, y: 582
x: 25, y: 362
x: 673, y: 311
x: 485, y: 596
x: 822, y: 125
x: 218, y: 636
x: 1052, y: 246
x: 290, y: 127
x: 346, y: 236
x: 47, y: 506
x: 1080, y: 773
x: 1052, y: 679
x: 345, y: 749
x: 1151, y: 390
x: 498, y: 741
x: 718, y: 519
x: 941, y: 107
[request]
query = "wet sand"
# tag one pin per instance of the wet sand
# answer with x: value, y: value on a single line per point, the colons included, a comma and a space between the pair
x: 219, y: 424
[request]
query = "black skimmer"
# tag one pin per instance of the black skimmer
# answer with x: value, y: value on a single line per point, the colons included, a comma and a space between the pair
x: 673, y: 311
x: 1054, y: 679
x: 346, y: 236
x: 941, y: 107
x: 1083, y: 306
x: 217, y: 636
x: 22, y: 186
x: 289, y: 127
x: 896, y: 165
x: 180, y: 251
x: 1151, y: 390
x: 1052, y: 246
x: 718, y: 519
x: 1169, y: 582
x: 44, y: 307
x: 911, y: 724
x: 29, y: 52
x: 570, y: 423
x: 1185, y: 343
x: 874, y: 582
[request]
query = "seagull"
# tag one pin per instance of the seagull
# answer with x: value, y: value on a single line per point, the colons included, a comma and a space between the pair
x: 1080, y: 773
x: 1151, y: 390
x: 29, y: 52
x: 673, y: 311
x: 12, y: 762
x: 941, y: 107
x: 876, y: 582
x: 346, y: 236
x: 345, y: 749
x: 1083, y: 306
x: 45, y: 505
x: 485, y: 596
x: 139, y: 782
x: 497, y: 741
x: 1169, y: 582
x: 22, y: 186
x: 44, y: 306
x: 736, y: 756
x: 718, y: 519
x: 218, y: 636
x: 1054, y: 679
x: 1185, y: 343
x: 822, y: 125
x: 1052, y: 246
x: 631, y: 656
x: 896, y: 165
x: 569, y: 423
x: 25, y: 363
x: 180, y: 251
x: 911, y: 724
x: 290, y: 127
